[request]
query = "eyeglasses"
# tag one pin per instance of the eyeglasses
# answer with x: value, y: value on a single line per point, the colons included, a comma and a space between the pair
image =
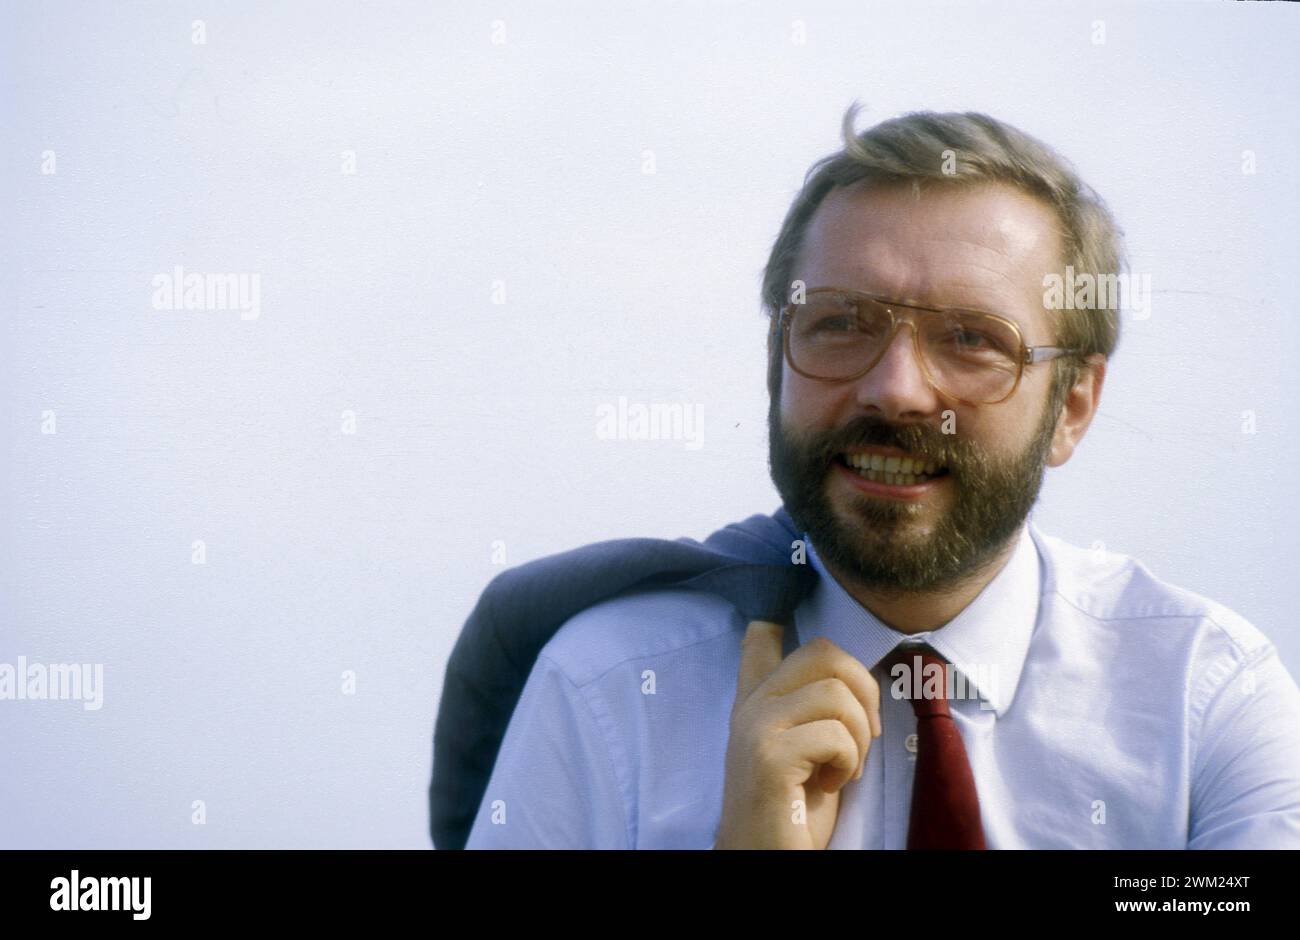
x: 838, y: 334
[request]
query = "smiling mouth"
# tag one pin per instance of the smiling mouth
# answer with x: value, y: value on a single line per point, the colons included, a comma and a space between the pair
x: 891, y: 469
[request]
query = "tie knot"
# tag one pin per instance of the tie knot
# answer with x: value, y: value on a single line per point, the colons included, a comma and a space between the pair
x: 917, y: 673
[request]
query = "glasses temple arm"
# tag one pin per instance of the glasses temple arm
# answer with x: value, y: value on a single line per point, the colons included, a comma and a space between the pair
x: 1035, y: 354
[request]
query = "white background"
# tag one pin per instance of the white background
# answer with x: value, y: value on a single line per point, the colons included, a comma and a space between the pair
x: 522, y: 162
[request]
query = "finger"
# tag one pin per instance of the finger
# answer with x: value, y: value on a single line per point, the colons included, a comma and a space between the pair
x: 822, y: 749
x: 760, y: 655
x: 827, y: 698
x: 820, y: 658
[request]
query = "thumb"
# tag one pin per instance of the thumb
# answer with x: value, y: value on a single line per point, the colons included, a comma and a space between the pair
x: 760, y: 654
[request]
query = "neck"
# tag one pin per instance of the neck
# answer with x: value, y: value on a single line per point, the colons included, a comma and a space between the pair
x: 927, y: 610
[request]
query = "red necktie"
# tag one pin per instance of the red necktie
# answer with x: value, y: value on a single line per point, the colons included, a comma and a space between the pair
x: 945, y: 807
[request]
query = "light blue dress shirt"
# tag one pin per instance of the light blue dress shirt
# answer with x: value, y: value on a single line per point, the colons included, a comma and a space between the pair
x: 1099, y: 706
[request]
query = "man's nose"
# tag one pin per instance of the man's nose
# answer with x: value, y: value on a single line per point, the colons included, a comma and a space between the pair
x: 896, y: 384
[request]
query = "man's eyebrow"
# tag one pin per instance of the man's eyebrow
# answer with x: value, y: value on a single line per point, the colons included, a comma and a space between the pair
x: 983, y: 297
x: 942, y: 300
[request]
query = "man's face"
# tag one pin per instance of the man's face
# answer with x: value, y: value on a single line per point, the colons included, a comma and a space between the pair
x: 984, y: 248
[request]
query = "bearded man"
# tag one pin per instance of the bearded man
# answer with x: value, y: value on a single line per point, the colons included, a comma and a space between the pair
x: 955, y: 678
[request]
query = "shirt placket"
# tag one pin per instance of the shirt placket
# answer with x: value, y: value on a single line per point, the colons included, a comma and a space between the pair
x: 898, y: 722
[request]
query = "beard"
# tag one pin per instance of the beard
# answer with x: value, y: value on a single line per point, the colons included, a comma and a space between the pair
x: 875, y: 546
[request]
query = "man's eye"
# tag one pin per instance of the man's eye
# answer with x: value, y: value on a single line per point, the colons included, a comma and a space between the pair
x: 838, y: 324
x: 975, y: 341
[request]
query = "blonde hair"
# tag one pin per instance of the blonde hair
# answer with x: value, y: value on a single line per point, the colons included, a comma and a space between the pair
x: 955, y: 149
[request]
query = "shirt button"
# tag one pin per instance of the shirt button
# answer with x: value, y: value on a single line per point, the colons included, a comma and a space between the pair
x: 910, y: 743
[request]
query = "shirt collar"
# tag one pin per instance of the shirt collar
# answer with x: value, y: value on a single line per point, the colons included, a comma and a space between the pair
x: 987, y: 641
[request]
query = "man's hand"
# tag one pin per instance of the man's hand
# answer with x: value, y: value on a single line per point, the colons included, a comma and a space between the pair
x: 800, y: 730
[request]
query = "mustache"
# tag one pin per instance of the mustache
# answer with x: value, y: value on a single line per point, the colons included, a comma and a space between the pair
x: 918, y: 439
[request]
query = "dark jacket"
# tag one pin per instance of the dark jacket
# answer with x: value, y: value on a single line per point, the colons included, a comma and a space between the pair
x: 749, y: 563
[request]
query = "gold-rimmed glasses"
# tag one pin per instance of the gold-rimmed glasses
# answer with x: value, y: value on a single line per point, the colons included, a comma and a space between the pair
x: 975, y: 357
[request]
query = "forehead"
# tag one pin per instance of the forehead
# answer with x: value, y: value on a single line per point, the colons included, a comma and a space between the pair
x: 987, y: 246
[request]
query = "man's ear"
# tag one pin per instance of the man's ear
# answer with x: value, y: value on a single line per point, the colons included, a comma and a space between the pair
x: 1077, y: 410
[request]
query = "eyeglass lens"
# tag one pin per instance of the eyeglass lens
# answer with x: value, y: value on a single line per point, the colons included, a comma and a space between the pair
x: 968, y: 355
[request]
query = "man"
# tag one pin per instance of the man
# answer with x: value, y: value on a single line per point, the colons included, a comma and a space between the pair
x: 956, y: 678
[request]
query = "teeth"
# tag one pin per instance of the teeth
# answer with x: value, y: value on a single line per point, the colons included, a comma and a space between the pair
x: 898, y: 467
x: 893, y: 479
